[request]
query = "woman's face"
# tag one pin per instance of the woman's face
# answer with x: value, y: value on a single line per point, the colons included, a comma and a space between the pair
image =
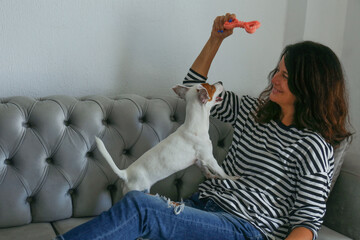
x: 280, y: 93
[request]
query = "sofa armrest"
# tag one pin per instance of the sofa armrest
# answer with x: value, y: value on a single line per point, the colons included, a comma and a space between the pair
x: 343, y: 208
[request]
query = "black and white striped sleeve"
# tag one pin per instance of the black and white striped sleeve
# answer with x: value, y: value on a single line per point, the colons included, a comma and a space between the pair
x: 193, y: 77
x: 228, y: 110
x: 313, y: 186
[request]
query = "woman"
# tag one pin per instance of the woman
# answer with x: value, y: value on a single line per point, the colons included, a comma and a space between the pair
x: 282, y: 149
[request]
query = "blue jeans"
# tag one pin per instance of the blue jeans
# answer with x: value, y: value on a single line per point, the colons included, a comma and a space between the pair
x: 140, y: 215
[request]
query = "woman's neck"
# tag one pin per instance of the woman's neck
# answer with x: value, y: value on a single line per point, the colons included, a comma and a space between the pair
x: 287, y: 116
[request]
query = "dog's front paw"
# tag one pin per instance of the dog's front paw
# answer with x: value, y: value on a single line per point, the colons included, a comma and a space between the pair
x: 210, y: 176
x: 234, y: 178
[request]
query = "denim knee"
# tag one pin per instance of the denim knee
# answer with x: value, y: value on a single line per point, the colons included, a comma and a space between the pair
x: 141, y: 201
x: 133, y: 200
x: 134, y: 195
x: 129, y: 197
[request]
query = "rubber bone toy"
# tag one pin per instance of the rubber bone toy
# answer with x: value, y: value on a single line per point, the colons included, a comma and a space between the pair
x: 250, y: 27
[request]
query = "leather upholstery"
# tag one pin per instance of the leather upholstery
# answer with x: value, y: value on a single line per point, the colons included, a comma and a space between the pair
x: 50, y: 168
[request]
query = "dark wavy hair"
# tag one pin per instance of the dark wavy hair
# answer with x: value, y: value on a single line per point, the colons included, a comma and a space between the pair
x: 316, y: 78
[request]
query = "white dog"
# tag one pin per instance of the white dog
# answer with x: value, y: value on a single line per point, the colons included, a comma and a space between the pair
x: 189, y: 144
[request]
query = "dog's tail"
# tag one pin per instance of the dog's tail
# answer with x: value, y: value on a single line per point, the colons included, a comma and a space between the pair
x: 100, y: 145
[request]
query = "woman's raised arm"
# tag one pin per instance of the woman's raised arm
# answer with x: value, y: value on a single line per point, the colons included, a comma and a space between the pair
x: 203, y: 62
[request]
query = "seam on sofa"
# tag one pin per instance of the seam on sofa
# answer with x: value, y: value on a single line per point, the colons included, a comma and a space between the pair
x: 63, y: 173
x: 18, y: 107
x: 3, y: 150
x: 58, y: 143
x: 102, y: 170
x: 78, y: 131
x: 111, y: 109
x: 3, y: 173
x: 131, y: 100
x: 52, y: 99
x: 42, y: 142
x: 102, y: 133
x: 80, y: 178
x: 89, y: 99
x: 26, y: 119
x: 216, y: 127
x: 42, y: 181
x: 162, y: 99
x: 139, y: 111
x: 142, y: 126
x: 56, y: 149
x: 117, y: 132
x: 54, y: 228
x: 176, y: 107
x: 152, y: 128
x: 22, y: 180
x: 31, y: 110
x: 350, y: 173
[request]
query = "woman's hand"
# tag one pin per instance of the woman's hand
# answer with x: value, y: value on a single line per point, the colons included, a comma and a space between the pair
x: 203, y: 62
x: 218, y: 30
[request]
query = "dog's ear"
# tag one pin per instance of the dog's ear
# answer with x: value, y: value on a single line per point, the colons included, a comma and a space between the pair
x: 203, y: 94
x: 181, y: 90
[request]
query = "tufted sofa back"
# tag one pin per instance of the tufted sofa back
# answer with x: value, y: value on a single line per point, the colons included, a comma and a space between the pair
x: 50, y: 168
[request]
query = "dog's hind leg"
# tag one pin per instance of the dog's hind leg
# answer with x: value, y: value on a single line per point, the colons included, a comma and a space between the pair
x: 213, y: 167
x: 204, y: 169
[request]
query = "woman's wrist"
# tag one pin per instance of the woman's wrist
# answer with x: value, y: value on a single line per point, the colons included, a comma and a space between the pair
x: 215, y: 40
x: 203, y: 61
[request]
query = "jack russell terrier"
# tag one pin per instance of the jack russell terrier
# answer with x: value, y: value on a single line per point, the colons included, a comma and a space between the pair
x: 189, y: 144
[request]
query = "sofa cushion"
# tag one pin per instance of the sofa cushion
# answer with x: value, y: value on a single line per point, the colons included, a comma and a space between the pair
x: 326, y: 233
x: 339, y: 154
x: 64, y: 226
x: 38, y: 231
x: 343, y: 208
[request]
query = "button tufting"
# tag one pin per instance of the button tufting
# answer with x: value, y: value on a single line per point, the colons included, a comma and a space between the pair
x: 26, y: 125
x: 111, y: 188
x: 178, y: 182
x: 125, y: 152
x: 71, y: 191
x: 142, y: 120
x: 105, y: 122
x: 221, y: 143
x: 30, y: 199
x: 67, y: 123
x: 89, y: 154
x: 7, y: 161
x: 49, y: 160
x: 173, y: 118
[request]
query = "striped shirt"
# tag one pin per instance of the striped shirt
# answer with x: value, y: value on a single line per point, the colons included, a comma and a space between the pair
x: 285, y: 172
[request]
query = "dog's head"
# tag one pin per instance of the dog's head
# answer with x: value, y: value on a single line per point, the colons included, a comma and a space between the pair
x: 204, y: 92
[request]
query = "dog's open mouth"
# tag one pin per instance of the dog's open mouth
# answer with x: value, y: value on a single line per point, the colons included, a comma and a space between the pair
x: 218, y: 99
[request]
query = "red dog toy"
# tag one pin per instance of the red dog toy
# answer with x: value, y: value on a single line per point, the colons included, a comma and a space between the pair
x: 250, y: 27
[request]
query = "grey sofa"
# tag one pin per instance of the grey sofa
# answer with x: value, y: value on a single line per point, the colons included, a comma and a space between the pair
x: 53, y: 178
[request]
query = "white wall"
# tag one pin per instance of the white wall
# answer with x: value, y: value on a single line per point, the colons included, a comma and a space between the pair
x: 325, y: 23
x: 351, y: 62
x: 82, y: 47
